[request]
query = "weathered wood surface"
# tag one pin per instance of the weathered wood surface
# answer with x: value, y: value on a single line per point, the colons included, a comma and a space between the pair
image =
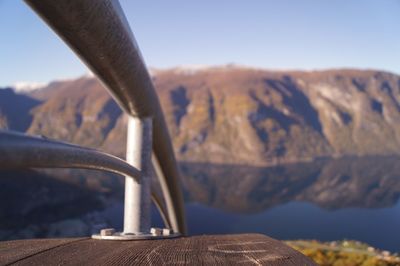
x: 247, y: 249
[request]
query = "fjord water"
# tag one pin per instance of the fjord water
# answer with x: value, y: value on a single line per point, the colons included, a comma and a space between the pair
x: 349, y: 198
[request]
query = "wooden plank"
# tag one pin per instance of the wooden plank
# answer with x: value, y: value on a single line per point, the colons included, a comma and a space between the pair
x: 12, y: 251
x: 248, y: 249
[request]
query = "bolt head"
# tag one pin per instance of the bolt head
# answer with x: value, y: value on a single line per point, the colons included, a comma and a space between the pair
x: 156, y: 231
x: 107, y: 232
x: 166, y: 231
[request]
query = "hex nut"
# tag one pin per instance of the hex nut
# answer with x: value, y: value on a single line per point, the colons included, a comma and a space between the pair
x: 166, y: 231
x: 107, y: 232
x: 156, y: 231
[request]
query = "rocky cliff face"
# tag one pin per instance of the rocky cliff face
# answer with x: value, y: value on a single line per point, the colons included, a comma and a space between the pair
x: 233, y: 115
x: 259, y: 117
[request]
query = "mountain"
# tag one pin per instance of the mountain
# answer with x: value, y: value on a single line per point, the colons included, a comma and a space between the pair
x: 15, y: 110
x: 227, y: 124
x: 233, y: 114
x: 24, y: 86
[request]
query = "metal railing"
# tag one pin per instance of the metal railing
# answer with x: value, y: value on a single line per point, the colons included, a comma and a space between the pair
x: 98, y: 32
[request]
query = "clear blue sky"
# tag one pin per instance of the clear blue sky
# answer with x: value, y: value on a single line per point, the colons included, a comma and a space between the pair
x: 289, y: 34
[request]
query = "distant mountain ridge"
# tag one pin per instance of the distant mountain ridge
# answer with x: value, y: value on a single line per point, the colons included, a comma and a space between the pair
x: 234, y: 114
x: 24, y: 86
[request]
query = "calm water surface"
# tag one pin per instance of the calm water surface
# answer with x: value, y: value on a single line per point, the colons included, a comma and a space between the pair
x: 351, y: 198
x: 300, y: 220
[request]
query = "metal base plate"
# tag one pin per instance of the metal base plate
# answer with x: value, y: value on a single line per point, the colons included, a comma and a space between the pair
x: 122, y: 236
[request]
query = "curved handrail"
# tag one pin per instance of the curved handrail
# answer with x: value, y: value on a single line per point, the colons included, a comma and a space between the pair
x: 21, y: 151
x: 99, y: 34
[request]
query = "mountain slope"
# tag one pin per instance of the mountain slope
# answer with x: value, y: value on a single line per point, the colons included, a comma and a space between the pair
x: 15, y: 110
x: 238, y: 115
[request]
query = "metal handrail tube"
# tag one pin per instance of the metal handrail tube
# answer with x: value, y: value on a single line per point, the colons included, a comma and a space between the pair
x: 98, y: 32
x: 21, y: 151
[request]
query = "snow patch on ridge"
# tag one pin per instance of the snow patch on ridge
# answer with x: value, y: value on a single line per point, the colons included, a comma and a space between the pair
x: 26, y: 86
x: 193, y: 69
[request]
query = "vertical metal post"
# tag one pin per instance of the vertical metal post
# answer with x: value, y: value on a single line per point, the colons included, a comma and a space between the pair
x: 137, y: 216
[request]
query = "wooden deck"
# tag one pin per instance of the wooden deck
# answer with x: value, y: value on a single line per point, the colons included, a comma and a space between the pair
x: 247, y: 249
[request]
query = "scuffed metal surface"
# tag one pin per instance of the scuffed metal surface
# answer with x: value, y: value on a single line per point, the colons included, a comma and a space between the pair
x: 21, y: 151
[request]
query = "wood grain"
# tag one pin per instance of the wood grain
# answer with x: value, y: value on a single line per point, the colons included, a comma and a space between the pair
x: 246, y: 249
